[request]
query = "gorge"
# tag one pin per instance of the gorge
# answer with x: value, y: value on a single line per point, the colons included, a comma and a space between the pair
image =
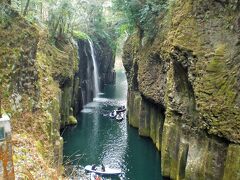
x: 58, y: 83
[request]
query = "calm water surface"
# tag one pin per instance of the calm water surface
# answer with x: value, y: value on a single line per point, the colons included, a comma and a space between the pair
x: 100, y: 139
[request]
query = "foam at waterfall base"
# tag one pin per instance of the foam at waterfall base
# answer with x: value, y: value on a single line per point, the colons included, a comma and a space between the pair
x: 87, y: 110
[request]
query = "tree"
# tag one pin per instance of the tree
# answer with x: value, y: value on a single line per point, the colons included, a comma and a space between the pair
x: 26, y: 8
x: 63, y: 17
x: 141, y: 14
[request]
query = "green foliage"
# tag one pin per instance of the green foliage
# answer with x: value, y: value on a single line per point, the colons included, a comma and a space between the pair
x: 65, y: 19
x: 140, y: 14
x: 72, y: 120
x: 80, y: 35
x: 5, y: 21
x: 60, y: 18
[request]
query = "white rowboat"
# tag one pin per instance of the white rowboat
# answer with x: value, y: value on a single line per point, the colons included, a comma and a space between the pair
x: 108, y: 171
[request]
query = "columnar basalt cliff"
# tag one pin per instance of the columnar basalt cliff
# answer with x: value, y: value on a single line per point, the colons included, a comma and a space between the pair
x: 184, y: 88
x: 85, y: 73
x: 105, y: 58
x: 78, y: 88
x: 105, y: 55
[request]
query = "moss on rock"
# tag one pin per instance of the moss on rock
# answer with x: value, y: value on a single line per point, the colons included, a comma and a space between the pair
x: 72, y: 120
x: 32, y: 73
x: 191, y: 70
x: 232, y: 164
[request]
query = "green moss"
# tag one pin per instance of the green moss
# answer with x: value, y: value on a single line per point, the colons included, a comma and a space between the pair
x: 220, y: 50
x: 153, y: 124
x: 232, y: 163
x: 220, y: 84
x: 144, y: 119
x: 134, y: 119
x: 72, y: 120
x: 47, y: 125
x: 215, y: 65
x: 80, y: 35
x: 182, y: 161
x: 40, y: 147
x: 166, y: 150
x: 66, y: 98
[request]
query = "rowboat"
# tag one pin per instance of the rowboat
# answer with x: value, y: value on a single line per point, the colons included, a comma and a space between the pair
x: 121, y: 109
x: 100, y: 171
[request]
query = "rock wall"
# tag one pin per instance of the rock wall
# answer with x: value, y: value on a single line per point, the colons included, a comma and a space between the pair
x: 105, y: 58
x: 85, y: 72
x: 105, y: 54
x: 184, y: 88
x: 34, y: 78
x: 77, y: 86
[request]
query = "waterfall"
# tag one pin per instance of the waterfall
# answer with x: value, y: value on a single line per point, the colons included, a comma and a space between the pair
x: 95, y: 70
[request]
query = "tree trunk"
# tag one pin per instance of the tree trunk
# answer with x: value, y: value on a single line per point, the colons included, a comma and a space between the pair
x: 56, y: 27
x: 26, y: 8
x: 22, y: 6
x: 41, y: 10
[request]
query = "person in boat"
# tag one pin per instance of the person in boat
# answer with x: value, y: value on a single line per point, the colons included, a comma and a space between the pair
x: 112, y: 113
x: 94, y: 167
x: 98, y: 177
x: 121, y: 108
x: 103, y: 168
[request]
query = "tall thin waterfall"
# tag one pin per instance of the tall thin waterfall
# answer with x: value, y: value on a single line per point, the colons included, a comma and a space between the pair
x: 95, y: 71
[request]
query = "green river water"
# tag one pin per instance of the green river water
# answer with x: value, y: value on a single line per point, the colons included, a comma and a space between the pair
x: 99, y: 139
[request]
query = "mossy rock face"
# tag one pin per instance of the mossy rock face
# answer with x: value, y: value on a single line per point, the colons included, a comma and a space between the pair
x: 134, y: 108
x: 191, y: 70
x: 33, y: 73
x: 18, y: 47
x: 72, y: 120
x: 105, y: 53
x: 232, y: 164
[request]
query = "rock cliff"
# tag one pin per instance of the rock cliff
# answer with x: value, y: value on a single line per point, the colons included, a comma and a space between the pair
x: 31, y: 73
x: 184, y: 88
x: 105, y: 58
x: 105, y: 54
x: 44, y: 86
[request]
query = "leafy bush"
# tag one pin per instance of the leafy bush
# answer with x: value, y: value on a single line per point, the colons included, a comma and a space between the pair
x: 80, y: 35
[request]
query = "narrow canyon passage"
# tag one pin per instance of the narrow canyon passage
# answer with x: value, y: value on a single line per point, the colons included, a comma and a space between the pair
x: 63, y: 89
x: 99, y: 139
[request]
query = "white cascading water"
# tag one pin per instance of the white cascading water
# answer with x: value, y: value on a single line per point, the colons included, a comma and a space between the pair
x: 95, y: 70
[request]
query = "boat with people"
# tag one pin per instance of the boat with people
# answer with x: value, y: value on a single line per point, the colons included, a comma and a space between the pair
x: 118, y: 113
x: 113, y: 114
x: 102, y: 170
x: 121, y: 109
x: 120, y: 116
